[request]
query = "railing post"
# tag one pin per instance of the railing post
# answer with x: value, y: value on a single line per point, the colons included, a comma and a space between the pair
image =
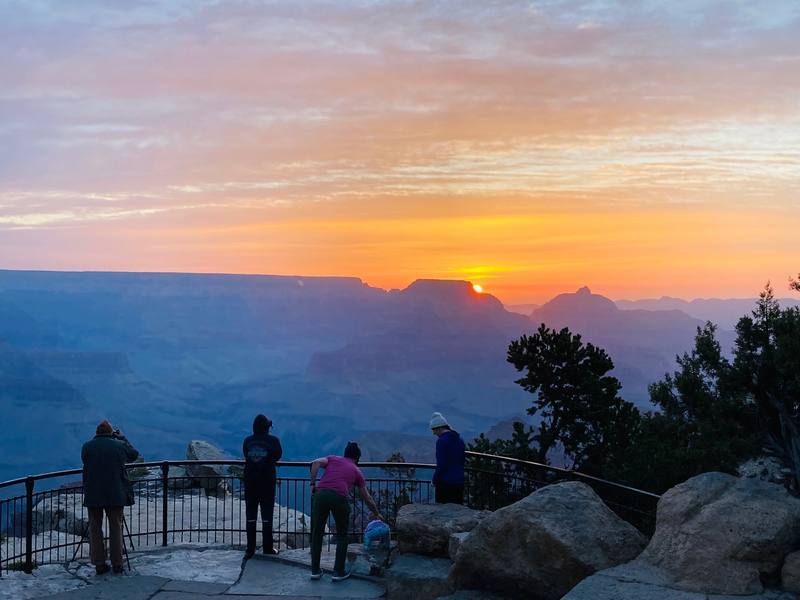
x: 165, y: 498
x: 29, y: 483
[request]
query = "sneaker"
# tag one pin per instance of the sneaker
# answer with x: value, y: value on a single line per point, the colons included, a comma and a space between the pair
x: 316, y: 576
x: 102, y: 569
x: 248, y: 554
x: 340, y: 576
x: 118, y: 570
x: 270, y: 551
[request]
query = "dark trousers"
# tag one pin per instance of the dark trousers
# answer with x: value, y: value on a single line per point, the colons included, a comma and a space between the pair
x: 97, y: 549
x: 323, y: 504
x: 259, y: 494
x: 449, y: 494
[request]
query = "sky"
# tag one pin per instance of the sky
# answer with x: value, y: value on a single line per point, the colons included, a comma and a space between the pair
x: 643, y: 148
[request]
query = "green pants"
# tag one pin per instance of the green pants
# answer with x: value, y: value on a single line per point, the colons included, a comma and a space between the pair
x: 323, y: 504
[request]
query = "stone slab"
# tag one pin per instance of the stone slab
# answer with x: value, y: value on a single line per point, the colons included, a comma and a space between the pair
x: 599, y: 587
x: 275, y: 578
x: 196, y: 587
x: 118, y: 588
x: 415, y: 577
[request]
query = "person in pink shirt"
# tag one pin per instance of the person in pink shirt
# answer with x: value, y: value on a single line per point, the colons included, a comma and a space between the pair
x: 331, y: 495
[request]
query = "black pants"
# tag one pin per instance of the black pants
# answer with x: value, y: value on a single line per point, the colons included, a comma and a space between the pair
x: 449, y: 494
x: 259, y: 493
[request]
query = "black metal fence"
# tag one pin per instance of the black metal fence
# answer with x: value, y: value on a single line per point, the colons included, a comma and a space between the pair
x: 43, y: 520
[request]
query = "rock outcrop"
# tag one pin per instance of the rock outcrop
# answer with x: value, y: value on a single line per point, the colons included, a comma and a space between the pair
x: 717, y: 533
x: 426, y: 528
x: 543, y: 545
x: 212, y: 478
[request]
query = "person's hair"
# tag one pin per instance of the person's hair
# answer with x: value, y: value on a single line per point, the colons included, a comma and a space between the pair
x: 261, y: 424
x: 104, y: 428
x: 352, y: 451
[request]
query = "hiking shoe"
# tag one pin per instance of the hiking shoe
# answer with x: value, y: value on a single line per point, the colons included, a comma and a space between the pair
x: 118, y: 570
x: 340, y: 576
x: 316, y: 576
x: 102, y: 569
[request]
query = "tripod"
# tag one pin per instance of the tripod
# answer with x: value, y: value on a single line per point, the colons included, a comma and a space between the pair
x: 85, y: 535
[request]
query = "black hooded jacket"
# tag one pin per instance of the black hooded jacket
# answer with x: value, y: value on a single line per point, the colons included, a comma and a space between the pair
x: 261, y: 451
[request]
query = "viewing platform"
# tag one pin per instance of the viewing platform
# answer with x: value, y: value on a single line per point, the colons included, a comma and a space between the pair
x: 190, y: 572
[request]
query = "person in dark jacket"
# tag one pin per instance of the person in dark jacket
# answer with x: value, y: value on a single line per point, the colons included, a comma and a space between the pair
x: 261, y: 451
x: 448, y: 478
x: 106, y: 489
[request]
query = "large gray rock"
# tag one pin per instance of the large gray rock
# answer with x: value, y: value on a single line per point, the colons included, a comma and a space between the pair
x: 414, y: 577
x: 790, y: 573
x: 720, y: 534
x: 543, y: 545
x: 209, y: 477
x: 61, y: 510
x: 426, y: 528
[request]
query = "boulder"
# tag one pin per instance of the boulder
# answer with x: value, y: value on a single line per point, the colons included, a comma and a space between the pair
x: 720, y: 534
x: 212, y: 478
x: 456, y: 539
x: 61, y: 511
x: 790, y: 573
x: 426, y: 528
x: 765, y: 468
x: 415, y: 577
x: 543, y: 545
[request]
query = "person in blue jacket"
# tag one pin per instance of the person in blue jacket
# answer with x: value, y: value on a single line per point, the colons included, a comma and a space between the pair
x: 261, y: 451
x: 448, y: 478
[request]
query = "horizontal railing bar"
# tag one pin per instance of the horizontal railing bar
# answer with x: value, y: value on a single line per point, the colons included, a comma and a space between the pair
x: 378, y: 465
x: 568, y: 472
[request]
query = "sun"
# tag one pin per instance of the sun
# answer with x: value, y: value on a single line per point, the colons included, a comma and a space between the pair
x: 478, y: 288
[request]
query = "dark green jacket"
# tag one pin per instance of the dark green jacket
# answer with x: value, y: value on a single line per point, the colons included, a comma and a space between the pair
x: 105, y: 478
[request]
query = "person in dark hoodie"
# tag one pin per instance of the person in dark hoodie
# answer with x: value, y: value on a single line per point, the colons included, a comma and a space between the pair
x: 106, y: 489
x: 261, y: 451
x: 448, y: 478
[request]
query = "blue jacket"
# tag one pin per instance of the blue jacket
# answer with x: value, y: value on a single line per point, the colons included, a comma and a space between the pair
x: 449, y: 459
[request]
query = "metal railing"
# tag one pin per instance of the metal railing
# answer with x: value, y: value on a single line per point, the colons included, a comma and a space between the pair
x: 176, y: 504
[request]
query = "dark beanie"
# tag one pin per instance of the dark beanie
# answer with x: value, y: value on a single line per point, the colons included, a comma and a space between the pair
x: 352, y: 451
x: 261, y: 424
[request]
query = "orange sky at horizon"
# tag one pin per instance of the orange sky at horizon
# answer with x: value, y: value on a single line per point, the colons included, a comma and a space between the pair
x: 642, y: 149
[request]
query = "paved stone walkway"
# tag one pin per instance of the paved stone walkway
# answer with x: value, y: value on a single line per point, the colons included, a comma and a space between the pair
x: 262, y: 579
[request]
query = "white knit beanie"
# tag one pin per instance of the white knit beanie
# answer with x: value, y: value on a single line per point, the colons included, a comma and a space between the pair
x: 437, y: 420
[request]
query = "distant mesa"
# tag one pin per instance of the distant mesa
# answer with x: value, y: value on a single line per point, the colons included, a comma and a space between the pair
x: 582, y: 302
x: 454, y: 294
